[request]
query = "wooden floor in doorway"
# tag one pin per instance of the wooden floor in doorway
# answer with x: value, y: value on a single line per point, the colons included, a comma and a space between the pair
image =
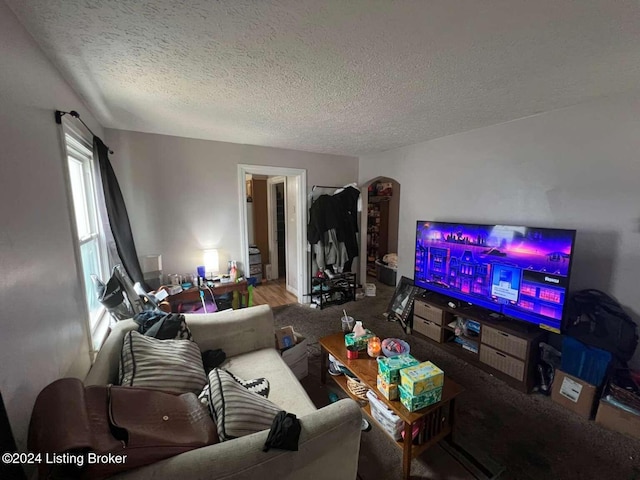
x: 273, y: 293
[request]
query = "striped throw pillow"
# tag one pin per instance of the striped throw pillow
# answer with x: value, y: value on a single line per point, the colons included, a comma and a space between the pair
x: 236, y: 410
x: 257, y: 385
x: 170, y: 365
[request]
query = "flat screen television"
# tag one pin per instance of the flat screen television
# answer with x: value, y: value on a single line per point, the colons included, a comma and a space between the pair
x: 519, y: 272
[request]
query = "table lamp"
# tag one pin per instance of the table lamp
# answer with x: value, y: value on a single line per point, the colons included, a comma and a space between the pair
x: 211, y: 262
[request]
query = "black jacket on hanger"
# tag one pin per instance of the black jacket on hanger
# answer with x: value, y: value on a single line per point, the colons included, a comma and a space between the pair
x: 339, y: 212
x: 346, y: 203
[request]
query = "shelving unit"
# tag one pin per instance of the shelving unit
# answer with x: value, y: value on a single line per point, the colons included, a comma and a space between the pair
x: 377, y: 231
x: 333, y: 291
x: 504, y: 348
x: 255, y: 263
x: 458, y: 333
x: 436, y: 422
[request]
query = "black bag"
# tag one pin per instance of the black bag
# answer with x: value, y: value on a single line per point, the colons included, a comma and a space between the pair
x: 598, y: 320
x: 161, y: 325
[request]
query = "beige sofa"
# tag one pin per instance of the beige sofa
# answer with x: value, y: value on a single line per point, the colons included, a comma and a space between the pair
x: 330, y: 439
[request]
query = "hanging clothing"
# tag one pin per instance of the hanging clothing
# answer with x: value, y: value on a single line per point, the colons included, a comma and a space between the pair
x: 346, y: 202
x: 329, y: 251
x: 333, y: 228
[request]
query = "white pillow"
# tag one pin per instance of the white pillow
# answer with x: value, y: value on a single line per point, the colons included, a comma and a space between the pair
x: 170, y: 365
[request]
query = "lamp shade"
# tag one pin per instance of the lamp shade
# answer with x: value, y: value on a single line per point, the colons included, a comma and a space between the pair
x: 211, y: 260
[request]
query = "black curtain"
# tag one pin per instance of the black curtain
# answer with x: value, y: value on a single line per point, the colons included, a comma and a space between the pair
x: 117, y: 213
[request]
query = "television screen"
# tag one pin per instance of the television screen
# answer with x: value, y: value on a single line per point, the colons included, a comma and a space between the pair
x: 519, y: 272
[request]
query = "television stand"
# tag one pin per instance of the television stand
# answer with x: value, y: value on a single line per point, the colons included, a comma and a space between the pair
x: 505, y: 348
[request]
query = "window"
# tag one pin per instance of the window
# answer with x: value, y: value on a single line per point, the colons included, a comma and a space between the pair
x: 90, y: 240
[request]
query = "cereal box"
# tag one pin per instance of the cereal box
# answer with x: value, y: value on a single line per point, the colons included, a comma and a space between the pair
x: 421, y: 378
x: 389, y: 368
x: 389, y: 390
x: 416, y: 402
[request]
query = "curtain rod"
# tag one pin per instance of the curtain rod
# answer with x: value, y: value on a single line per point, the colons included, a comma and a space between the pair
x: 74, y: 114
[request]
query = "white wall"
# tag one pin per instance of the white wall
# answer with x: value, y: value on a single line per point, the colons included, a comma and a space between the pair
x: 182, y: 196
x: 577, y: 167
x: 43, y: 335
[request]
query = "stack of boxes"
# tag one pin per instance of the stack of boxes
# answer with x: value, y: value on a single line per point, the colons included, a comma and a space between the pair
x: 418, y: 385
x: 577, y: 383
x: 389, y: 373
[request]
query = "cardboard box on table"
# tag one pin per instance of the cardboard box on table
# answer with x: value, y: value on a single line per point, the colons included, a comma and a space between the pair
x: 421, y: 378
x: 420, y: 386
x: 389, y: 368
x: 424, y: 399
x: 573, y: 393
x: 389, y: 390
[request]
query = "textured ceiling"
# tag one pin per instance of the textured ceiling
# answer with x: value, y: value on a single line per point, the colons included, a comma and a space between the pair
x: 342, y: 76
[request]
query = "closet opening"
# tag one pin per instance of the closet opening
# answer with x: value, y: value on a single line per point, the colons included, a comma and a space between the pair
x: 379, y: 224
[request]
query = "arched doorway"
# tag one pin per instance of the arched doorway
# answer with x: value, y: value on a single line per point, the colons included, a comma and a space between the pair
x: 379, y: 222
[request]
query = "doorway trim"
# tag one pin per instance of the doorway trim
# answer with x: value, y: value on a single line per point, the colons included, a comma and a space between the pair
x: 301, y: 217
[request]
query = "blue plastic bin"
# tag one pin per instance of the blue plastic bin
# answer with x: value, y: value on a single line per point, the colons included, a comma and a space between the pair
x: 587, y: 363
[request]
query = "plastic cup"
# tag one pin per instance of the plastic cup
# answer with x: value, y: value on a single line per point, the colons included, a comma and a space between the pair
x: 347, y: 324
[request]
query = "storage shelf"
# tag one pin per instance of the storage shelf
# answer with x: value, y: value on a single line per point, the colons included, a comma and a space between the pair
x: 377, y: 226
x: 379, y: 198
x: 317, y: 296
x: 416, y: 450
x: 513, y: 342
x: 471, y: 338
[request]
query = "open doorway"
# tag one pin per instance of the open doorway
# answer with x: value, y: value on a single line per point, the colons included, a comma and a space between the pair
x: 281, y: 230
x: 273, y: 228
x: 380, y: 220
x: 277, y: 220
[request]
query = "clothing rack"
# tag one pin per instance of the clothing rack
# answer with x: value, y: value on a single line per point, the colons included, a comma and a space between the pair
x: 349, y: 277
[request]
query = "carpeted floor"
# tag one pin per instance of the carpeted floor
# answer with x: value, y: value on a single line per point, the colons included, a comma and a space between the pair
x: 530, y: 436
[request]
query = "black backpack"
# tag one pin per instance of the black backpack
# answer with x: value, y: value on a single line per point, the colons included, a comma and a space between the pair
x: 598, y: 320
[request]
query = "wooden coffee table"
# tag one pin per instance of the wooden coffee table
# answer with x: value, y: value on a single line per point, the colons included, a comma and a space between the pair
x: 438, y: 418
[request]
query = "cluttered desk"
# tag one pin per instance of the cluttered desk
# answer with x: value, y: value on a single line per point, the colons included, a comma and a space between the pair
x: 202, y: 299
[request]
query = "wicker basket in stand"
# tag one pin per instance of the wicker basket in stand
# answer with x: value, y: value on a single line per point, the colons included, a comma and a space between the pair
x: 357, y: 388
